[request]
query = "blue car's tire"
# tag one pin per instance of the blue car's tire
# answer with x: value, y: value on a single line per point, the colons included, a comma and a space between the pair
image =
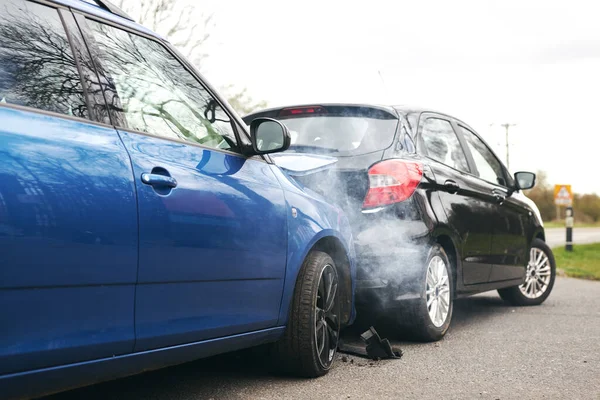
x: 309, y: 344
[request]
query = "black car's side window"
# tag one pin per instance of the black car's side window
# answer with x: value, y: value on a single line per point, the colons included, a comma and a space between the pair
x: 157, y: 94
x: 488, y: 166
x: 37, y: 66
x: 441, y: 144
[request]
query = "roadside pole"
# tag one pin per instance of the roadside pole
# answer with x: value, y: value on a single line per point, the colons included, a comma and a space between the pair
x: 563, y: 196
x: 506, y: 127
x: 569, y: 224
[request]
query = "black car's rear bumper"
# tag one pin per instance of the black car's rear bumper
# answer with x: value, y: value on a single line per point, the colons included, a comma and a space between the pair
x: 392, y: 246
x: 387, y: 279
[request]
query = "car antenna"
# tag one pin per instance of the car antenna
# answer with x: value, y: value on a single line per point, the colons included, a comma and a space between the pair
x: 387, y: 95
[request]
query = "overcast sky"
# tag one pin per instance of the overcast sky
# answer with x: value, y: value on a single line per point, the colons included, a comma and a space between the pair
x: 532, y: 63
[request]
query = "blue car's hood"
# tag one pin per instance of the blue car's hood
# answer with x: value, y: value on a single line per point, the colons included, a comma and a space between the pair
x: 300, y: 164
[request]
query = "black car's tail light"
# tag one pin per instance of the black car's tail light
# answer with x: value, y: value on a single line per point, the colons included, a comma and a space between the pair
x: 392, y: 181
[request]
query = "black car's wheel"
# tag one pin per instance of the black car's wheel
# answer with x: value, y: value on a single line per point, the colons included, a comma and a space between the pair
x: 539, y: 278
x: 310, y: 341
x: 428, y: 318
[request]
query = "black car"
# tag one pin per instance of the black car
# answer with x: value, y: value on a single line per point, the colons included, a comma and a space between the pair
x: 435, y: 214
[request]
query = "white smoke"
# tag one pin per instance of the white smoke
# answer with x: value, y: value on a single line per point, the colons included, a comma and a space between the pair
x: 391, y: 242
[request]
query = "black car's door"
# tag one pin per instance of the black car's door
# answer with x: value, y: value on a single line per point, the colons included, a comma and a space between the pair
x: 509, y: 243
x: 467, y: 201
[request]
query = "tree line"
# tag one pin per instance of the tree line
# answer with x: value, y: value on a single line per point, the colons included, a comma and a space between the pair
x: 586, y: 207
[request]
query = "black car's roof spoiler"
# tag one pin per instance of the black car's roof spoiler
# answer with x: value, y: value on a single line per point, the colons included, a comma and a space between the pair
x: 372, y: 111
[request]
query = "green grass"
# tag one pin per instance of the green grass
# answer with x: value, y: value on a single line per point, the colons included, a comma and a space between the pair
x: 582, y: 262
x: 561, y: 224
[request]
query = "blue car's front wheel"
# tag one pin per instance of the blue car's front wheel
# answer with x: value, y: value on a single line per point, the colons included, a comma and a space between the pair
x: 310, y: 342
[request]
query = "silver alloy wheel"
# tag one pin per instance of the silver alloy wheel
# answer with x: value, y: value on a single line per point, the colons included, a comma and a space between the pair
x: 327, y: 327
x: 438, y: 291
x: 538, y: 274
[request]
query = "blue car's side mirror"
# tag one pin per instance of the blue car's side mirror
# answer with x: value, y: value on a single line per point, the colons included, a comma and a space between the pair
x: 269, y: 136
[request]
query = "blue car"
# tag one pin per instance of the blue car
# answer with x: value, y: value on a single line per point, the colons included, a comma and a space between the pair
x: 141, y: 225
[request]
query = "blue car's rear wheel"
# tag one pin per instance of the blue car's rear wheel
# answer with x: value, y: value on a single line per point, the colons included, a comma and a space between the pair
x: 310, y: 342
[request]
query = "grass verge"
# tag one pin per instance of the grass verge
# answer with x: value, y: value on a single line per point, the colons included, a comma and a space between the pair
x: 561, y: 224
x: 582, y: 262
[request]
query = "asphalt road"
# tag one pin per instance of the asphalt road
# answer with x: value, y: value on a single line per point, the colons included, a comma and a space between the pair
x: 557, y: 236
x: 492, y: 351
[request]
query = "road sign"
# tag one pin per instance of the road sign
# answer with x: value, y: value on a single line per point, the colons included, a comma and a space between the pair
x: 563, y: 196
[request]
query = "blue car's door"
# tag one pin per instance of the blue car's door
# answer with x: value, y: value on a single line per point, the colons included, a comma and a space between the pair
x: 68, y: 218
x: 213, y: 239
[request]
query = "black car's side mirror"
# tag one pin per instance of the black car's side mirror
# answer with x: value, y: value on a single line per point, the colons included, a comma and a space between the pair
x: 525, y: 180
x: 269, y: 136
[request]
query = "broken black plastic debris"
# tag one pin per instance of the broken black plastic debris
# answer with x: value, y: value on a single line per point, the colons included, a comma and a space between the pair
x: 376, y: 348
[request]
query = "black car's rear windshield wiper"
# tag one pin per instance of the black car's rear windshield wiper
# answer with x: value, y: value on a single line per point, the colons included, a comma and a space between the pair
x: 301, y: 148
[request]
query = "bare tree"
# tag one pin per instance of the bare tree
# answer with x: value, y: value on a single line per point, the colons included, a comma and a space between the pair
x: 189, y: 30
x: 182, y: 25
x: 39, y: 63
x: 157, y: 92
x: 241, y: 101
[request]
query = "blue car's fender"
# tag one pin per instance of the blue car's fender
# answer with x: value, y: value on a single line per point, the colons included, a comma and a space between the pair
x: 314, y: 223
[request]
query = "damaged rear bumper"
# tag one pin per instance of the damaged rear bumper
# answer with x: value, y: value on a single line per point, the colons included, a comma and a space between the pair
x: 391, y: 248
x: 383, y: 295
x: 385, y: 280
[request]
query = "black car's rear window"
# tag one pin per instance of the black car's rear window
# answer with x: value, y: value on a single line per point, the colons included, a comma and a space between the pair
x: 340, y: 135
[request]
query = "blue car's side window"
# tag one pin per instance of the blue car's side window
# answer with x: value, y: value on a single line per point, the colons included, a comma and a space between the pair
x: 37, y: 66
x: 157, y: 94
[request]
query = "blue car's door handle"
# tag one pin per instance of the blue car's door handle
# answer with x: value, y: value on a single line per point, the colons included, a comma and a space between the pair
x: 159, y: 180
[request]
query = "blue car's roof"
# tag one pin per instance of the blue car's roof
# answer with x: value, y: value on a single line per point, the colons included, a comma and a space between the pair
x: 101, y: 12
